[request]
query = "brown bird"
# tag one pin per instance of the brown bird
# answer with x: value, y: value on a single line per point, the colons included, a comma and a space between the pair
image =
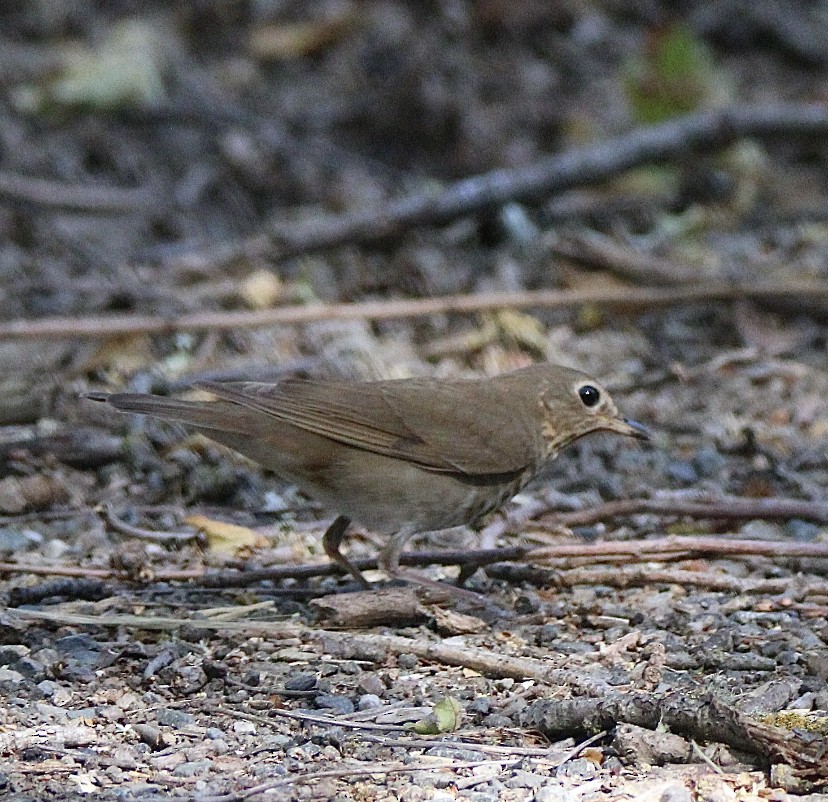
x: 400, y: 456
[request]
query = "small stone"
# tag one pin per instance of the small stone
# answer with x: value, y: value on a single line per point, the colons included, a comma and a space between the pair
x: 150, y: 735
x: 9, y: 677
x: 177, y: 719
x: 371, y: 684
x: 527, y: 603
x: 682, y: 472
x: 580, y: 768
x: 83, y: 648
x: 301, y: 682
x: 480, y: 706
x: 408, y: 661
x: 335, y: 703
x: 802, y: 530
x: 551, y: 793
x: 244, y: 728
x: 525, y: 779
x: 11, y: 654
x: 33, y: 669
x: 192, y: 768
x: 369, y: 701
x: 214, y: 734
x: 708, y: 462
x: 497, y: 720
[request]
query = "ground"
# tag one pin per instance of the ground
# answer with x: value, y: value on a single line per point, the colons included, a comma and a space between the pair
x: 217, y: 190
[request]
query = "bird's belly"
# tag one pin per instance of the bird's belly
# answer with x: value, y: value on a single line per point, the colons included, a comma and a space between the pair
x: 385, y: 494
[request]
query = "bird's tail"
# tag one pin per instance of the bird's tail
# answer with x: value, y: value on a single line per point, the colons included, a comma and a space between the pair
x: 212, y: 415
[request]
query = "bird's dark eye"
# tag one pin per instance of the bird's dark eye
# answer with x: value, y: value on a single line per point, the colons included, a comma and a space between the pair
x: 589, y: 395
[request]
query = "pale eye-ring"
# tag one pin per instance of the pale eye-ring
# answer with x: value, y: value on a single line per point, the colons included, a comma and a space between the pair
x: 590, y: 396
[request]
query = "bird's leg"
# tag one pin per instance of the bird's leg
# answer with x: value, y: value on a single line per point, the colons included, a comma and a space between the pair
x: 388, y: 560
x: 332, y: 540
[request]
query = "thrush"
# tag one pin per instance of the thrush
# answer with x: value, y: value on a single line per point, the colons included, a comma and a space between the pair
x: 400, y: 456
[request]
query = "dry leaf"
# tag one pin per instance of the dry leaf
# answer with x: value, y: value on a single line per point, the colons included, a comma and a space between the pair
x: 227, y: 539
x: 445, y: 716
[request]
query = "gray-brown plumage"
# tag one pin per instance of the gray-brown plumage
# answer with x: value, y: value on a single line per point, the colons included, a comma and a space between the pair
x: 399, y: 456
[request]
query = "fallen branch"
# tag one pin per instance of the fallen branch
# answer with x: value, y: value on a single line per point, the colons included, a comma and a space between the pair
x: 702, y: 719
x: 616, y: 297
x: 590, y: 165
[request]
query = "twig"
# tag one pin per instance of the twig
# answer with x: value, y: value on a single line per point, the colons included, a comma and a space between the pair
x: 731, y: 508
x: 661, y: 549
x: 630, y: 576
x: 664, y: 547
x: 484, y: 661
x: 146, y: 534
x: 593, y: 248
x: 76, y: 197
x: 704, y: 130
x: 616, y: 297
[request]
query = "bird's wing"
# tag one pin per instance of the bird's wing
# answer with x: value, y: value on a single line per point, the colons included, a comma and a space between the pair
x: 418, y: 420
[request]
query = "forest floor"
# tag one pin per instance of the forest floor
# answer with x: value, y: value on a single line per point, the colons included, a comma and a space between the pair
x: 229, y: 190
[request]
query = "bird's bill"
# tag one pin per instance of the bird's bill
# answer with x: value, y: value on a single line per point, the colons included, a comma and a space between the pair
x: 627, y: 427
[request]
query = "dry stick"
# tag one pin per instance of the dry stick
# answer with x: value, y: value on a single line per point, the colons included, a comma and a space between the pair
x: 661, y: 549
x: 664, y: 547
x: 625, y: 297
x: 485, y: 661
x: 590, y: 165
x: 123, y: 528
x: 729, y: 509
x: 704, y: 718
x: 76, y: 197
x: 629, y: 576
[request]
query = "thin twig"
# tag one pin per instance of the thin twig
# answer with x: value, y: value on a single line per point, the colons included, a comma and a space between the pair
x: 76, y: 197
x: 616, y: 297
x: 660, y: 549
x: 730, y: 508
x: 152, y: 536
x: 644, y: 576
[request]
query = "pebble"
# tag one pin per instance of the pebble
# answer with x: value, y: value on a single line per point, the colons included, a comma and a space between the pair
x: 244, y: 728
x: 480, y: 706
x: 577, y: 769
x: 551, y: 793
x: 708, y: 462
x: 369, y: 701
x: 335, y: 702
x: 802, y: 530
x: 371, y: 684
x: 192, y: 768
x: 682, y: 472
x: 408, y: 661
x: 149, y: 735
x: 301, y: 682
x: 498, y: 720
x: 11, y: 654
x: 14, y: 540
x: 525, y: 779
x: 548, y: 633
x: 9, y: 677
x: 177, y: 719
x: 33, y: 669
